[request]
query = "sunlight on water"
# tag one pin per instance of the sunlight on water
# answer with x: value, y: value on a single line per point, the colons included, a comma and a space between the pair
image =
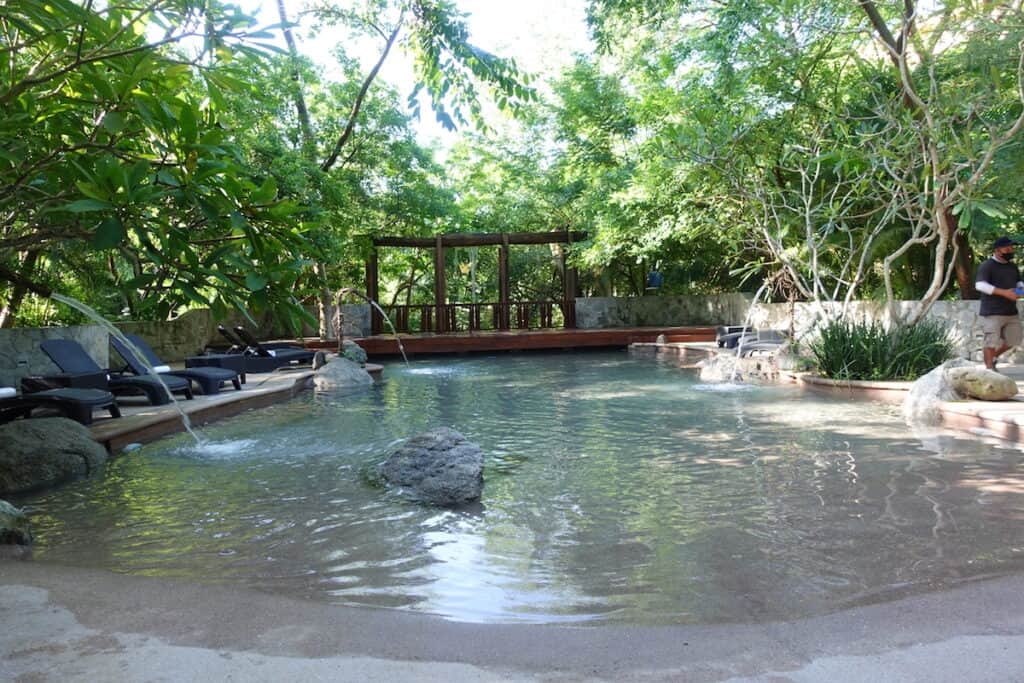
x: 724, y: 387
x: 616, y: 489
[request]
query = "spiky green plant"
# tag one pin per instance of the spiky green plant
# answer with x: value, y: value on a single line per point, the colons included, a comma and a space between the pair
x: 853, y: 350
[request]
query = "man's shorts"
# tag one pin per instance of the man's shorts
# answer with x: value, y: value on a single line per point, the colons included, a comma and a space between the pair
x: 1001, y: 330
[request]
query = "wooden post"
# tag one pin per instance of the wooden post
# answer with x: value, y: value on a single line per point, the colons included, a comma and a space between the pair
x: 439, y: 285
x: 372, y: 285
x: 503, y: 288
x: 571, y: 289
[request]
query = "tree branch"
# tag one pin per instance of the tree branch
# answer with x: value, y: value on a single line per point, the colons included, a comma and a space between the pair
x: 354, y: 114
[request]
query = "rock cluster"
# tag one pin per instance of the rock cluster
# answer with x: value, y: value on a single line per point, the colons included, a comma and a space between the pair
x: 44, y: 452
x: 727, y: 367
x: 438, y: 467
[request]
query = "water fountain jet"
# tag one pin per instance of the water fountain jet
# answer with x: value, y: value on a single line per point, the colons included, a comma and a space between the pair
x: 112, y: 329
x: 338, y: 319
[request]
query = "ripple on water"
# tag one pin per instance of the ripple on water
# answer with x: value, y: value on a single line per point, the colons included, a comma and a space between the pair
x: 616, y: 490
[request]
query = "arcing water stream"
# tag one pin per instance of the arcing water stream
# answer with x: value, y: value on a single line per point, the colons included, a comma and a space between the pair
x: 338, y: 319
x: 100, y: 320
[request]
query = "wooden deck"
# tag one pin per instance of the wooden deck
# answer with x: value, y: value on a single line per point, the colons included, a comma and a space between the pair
x: 520, y: 340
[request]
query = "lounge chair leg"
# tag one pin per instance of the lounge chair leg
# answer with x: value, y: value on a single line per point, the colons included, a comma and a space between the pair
x: 115, y: 410
x: 237, y: 383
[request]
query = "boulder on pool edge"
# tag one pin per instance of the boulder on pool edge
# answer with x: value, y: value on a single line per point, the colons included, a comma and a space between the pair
x: 981, y: 383
x: 438, y: 467
x: 341, y: 373
x: 45, y: 451
x: 14, y: 528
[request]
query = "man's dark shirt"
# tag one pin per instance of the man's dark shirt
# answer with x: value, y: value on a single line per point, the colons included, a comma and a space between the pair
x: 1000, y: 276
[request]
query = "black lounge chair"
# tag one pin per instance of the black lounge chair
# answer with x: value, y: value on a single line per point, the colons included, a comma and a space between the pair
x: 269, y: 357
x: 75, y: 363
x: 237, y: 345
x: 76, y: 404
x: 754, y: 342
x: 275, y: 349
x: 209, y: 379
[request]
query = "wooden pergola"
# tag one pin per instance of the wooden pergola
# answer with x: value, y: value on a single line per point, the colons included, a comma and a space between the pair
x: 443, y: 312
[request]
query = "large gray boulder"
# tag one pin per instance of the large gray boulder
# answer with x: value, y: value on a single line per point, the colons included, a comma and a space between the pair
x: 924, y: 400
x: 14, y: 528
x: 44, y: 452
x: 978, y: 382
x: 438, y: 467
x: 341, y: 373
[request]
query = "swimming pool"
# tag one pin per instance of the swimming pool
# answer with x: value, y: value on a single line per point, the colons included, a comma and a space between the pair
x: 617, y: 489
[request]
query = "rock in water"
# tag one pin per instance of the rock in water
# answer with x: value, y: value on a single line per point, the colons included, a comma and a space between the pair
x: 354, y: 352
x: 45, y: 451
x: 981, y: 383
x: 438, y: 467
x: 14, y: 528
x: 341, y: 373
x: 921, y: 406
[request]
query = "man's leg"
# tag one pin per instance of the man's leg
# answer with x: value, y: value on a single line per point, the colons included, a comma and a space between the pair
x: 1010, y: 335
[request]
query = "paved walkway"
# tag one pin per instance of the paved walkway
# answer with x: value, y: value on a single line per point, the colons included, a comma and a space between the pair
x: 74, y: 624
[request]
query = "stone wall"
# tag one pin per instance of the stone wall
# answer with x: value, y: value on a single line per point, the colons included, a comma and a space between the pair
x: 660, y: 311
x: 355, y: 321
x: 173, y: 340
x: 20, y: 354
x: 191, y: 333
x: 961, y: 317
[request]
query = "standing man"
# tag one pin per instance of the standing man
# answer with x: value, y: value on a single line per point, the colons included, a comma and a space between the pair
x: 999, y: 282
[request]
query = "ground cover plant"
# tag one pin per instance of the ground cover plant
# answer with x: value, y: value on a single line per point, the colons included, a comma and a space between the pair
x: 847, y: 349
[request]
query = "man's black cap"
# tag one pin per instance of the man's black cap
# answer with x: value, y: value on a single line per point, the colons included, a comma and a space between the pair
x: 1004, y: 242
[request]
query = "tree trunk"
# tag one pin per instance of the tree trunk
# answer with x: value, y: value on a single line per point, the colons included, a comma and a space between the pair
x: 308, y: 143
x: 10, y: 311
x: 964, y: 265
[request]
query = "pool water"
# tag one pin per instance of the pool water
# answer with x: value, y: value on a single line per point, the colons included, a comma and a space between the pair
x: 617, y: 489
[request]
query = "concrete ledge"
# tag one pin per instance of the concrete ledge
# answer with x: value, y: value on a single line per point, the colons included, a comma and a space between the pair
x: 884, y: 391
x: 143, y: 423
x: 146, y: 423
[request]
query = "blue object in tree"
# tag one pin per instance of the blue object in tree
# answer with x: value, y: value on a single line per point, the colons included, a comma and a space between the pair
x: 654, y: 280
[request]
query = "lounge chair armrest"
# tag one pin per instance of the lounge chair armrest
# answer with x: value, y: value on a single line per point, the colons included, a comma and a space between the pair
x: 83, y: 380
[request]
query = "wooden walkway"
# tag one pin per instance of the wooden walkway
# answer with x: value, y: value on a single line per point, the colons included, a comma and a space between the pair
x: 520, y: 340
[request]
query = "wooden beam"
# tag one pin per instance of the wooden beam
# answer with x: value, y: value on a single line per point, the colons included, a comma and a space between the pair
x: 478, y: 239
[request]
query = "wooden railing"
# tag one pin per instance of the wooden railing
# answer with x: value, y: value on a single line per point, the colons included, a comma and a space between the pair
x: 457, y: 317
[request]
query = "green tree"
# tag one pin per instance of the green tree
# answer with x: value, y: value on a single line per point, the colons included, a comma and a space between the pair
x: 112, y: 158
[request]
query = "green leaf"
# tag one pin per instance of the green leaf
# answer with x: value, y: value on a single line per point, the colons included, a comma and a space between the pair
x: 113, y: 122
x: 84, y: 205
x: 255, y: 282
x: 110, y: 233
x: 266, y: 193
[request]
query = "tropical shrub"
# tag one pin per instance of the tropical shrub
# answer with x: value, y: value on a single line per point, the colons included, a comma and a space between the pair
x: 859, y: 350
